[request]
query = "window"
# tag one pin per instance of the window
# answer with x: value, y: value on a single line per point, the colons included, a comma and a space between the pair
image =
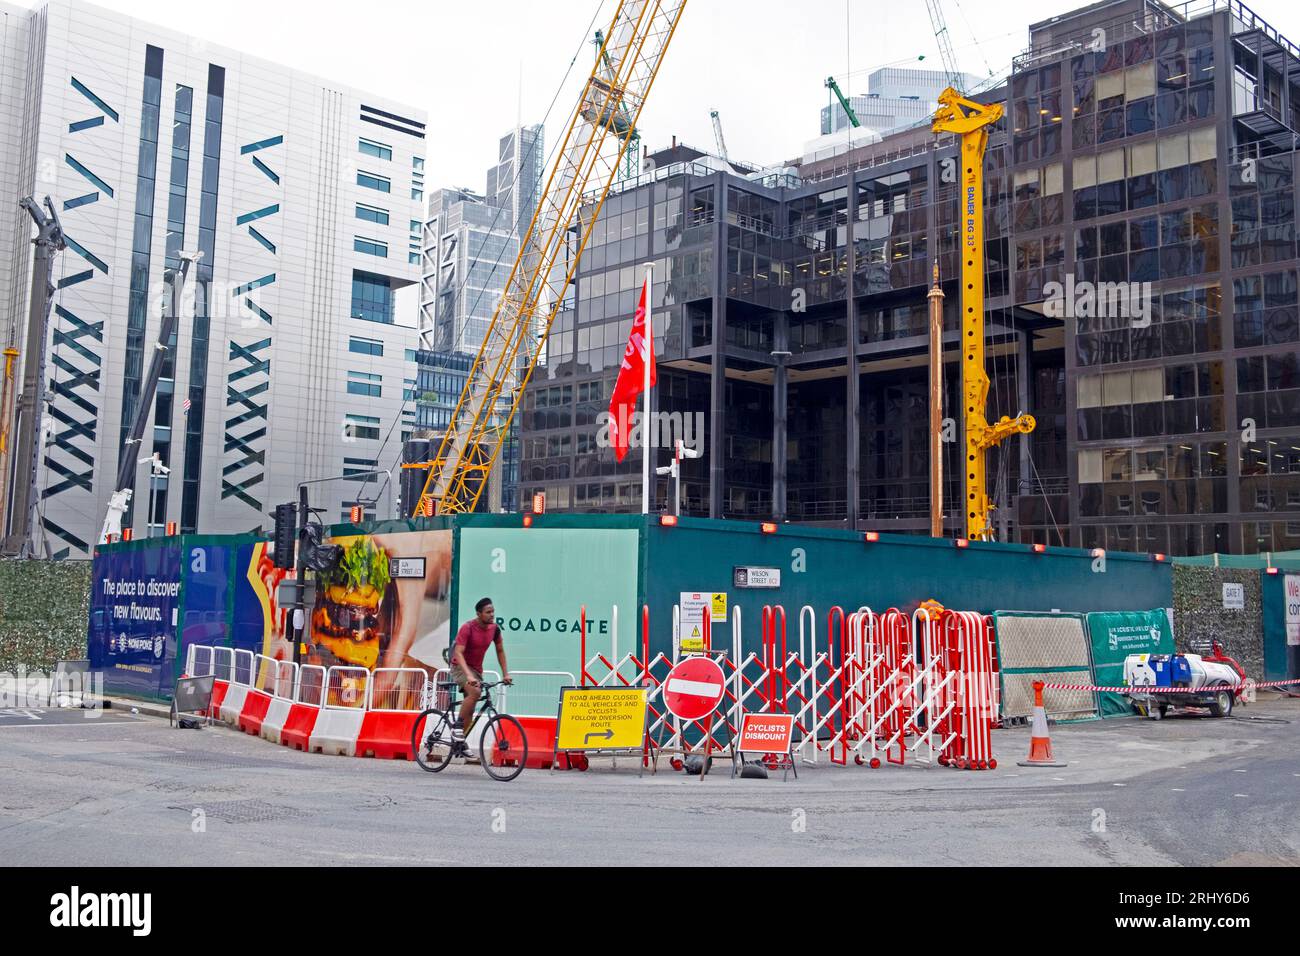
x: 371, y: 247
x: 365, y: 346
x: 417, y: 162
x: 364, y: 383
x: 417, y: 192
x: 372, y: 214
x: 372, y: 297
x: 410, y: 355
x: 378, y: 150
x: 381, y: 183
x: 413, y: 258
x: 361, y: 426
x: 356, y: 467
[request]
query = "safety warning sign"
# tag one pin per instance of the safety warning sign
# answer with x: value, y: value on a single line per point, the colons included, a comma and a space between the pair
x: 690, y: 625
x: 766, y: 733
x: 601, y: 718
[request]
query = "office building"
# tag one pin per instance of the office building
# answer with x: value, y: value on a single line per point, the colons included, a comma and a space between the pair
x: 1163, y: 155
x: 300, y: 194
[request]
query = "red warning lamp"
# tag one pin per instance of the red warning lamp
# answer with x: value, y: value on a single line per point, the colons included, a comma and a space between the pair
x: 1157, y: 557
x: 768, y: 527
x: 960, y: 543
x: 668, y: 521
x: 357, y: 514
x: 528, y: 521
x: 871, y: 536
x: 1040, y: 549
x: 539, y: 502
x: 1099, y: 552
x: 127, y: 534
x: 1270, y: 570
x: 171, y: 528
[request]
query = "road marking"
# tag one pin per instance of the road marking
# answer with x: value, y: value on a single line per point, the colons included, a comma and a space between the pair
x: 1241, y: 795
x: 1238, y: 771
x: 1119, y: 785
x: 1177, y: 790
x: 1059, y: 778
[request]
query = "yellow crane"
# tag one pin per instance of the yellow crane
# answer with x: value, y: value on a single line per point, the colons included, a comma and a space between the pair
x: 970, y: 121
x: 590, y: 152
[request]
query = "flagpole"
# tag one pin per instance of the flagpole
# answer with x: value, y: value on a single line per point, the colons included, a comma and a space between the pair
x: 645, y: 392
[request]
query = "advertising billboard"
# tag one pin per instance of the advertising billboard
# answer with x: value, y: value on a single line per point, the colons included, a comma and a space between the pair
x: 540, y: 578
x: 134, y: 612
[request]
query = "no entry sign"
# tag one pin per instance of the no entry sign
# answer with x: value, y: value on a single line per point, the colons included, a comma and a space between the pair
x: 693, y: 688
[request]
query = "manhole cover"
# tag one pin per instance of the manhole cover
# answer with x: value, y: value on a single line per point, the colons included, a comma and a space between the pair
x: 242, y: 811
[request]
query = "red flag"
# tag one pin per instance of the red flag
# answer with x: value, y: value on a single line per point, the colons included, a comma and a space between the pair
x: 631, y: 378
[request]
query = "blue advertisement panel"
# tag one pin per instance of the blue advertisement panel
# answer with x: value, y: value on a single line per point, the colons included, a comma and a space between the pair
x: 207, y: 591
x: 133, y: 619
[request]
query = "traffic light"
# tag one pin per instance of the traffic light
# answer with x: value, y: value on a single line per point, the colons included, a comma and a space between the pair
x: 286, y: 530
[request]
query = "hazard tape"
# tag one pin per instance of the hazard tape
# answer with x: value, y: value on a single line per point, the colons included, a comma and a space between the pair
x: 1167, y: 690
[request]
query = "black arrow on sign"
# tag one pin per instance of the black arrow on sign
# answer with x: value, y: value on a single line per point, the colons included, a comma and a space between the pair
x: 608, y: 734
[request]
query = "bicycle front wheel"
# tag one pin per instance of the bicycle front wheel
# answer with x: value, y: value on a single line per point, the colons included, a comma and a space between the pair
x: 431, y: 740
x: 503, y: 748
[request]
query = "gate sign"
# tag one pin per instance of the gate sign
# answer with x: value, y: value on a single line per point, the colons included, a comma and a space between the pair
x: 1234, y: 596
x: 694, y: 688
x: 1292, y: 609
x: 690, y: 621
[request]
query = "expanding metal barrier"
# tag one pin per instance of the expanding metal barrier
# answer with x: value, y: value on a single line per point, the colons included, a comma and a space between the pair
x: 877, y: 689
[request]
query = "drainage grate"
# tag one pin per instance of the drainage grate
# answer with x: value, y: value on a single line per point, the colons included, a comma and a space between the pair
x: 242, y: 811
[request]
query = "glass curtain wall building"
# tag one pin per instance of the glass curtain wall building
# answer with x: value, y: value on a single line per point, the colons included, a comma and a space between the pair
x: 1163, y: 160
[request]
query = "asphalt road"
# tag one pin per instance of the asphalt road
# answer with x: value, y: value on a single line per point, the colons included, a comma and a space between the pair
x: 123, y: 789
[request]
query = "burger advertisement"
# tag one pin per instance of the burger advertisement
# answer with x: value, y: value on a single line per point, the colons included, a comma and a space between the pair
x: 352, y: 622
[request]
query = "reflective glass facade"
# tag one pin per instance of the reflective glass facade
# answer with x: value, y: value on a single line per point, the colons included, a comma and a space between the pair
x: 1141, y: 303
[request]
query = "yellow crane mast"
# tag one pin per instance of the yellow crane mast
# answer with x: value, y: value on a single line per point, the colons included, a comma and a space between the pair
x: 590, y: 151
x: 970, y: 121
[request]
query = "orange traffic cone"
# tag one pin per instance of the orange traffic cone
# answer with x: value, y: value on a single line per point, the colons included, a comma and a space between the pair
x: 1040, y: 744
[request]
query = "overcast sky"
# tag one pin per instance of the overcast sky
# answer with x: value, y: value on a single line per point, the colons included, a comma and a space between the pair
x: 476, y: 66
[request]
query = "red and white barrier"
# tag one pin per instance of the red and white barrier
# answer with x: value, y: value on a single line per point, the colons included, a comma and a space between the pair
x: 338, y: 725
x: 395, y: 696
x: 282, y: 683
x: 309, y: 695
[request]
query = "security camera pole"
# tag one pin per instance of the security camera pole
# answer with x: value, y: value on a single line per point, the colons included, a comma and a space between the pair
x: 121, y: 497
x: 674, y: 471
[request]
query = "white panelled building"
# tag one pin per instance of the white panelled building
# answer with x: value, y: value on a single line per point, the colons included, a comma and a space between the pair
x: 291, y: 361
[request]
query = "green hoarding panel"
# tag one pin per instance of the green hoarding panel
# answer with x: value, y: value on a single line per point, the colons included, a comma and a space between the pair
x: 1114, y: 636
x: 539, y: 580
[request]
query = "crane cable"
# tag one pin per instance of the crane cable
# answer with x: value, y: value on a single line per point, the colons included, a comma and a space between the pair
x: 408, y: 396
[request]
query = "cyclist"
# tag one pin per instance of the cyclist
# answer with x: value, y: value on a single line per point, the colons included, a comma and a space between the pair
x: 471, y: 646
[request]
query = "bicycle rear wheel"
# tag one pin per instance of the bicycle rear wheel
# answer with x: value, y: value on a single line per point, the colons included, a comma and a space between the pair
x: 431, y: 740
x: 503, y: 749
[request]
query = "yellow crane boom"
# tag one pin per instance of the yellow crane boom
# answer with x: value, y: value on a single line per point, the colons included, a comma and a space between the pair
x: 590, y: 151
x: 970, y: 121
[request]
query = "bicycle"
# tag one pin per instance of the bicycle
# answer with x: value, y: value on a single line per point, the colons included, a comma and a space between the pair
x: 503, y: 746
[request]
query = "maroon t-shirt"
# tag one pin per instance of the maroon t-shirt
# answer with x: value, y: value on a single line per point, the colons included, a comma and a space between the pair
x: 473, y: 638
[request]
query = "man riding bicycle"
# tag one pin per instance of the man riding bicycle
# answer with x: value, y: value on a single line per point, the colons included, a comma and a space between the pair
x: 471, y: 646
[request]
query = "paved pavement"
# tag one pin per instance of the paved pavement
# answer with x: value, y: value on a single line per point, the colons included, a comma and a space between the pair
x: 126, y: 789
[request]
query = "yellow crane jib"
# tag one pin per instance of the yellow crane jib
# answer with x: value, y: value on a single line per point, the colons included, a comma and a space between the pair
x: 590, y: 151
x: 970, y: 121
